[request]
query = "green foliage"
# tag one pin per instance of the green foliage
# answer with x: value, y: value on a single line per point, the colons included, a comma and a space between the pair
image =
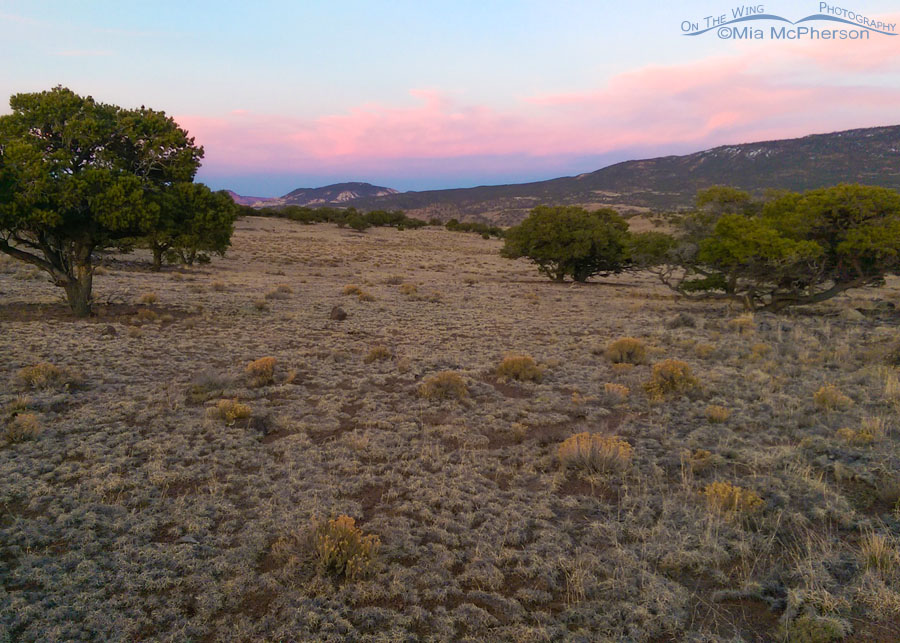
x: 486, y: 231
x: 793, y: 249
x: 77, y: 176
x: 342, y: 217
x: 569, y: 241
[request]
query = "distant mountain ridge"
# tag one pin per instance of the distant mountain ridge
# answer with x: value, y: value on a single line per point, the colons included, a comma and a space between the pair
x: 338, y: 194
x: 870, y: 156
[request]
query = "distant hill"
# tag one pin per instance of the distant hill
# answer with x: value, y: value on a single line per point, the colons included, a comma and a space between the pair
x: 338, y: 194
x: 870, y: 156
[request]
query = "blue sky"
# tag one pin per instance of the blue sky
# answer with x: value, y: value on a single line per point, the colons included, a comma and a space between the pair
x: 418, y: 95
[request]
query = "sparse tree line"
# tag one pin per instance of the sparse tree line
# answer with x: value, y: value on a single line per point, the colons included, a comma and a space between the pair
x: 788, y: 249
x: 78, y: 176
x: 342, y: 217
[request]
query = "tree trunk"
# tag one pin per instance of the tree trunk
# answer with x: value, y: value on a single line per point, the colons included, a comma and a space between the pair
x: 158, y: 251
x: 78, y: 290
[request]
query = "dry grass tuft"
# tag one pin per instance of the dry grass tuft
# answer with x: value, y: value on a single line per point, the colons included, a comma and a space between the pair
x: 830, y: 398
x: 229, y: 411
x: 261, y: 372
x: 352, y: 289
x: 22, y: 427
x: 218, y: 286
x: 595, y: 452
x: 628, y: 350
x: 149, y: 298
x: 619, y: 392
x: 409, y: 289
x: 717, y: 414
x: 724, y: 497
x: 879, y: 552
x: 365, y: 296
x: 520, y: 367
x: 261, y: 305
x: 45, y: 375
x: 670, y: 377
x: 446, y: 385
x: 378, y: 353
x: 703, y: 350
x: 856, y: 437
x: 744, y: 324
x: 343, y: 550
x: 283, y: 291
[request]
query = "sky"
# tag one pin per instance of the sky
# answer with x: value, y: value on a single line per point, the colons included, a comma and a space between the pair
x: 429, y: 94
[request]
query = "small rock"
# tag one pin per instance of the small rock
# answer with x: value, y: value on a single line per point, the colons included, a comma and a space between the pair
x: 338, y: 313
x: 851, y: 314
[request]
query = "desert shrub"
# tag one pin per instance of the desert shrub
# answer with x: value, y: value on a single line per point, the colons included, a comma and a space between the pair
x: 809, y: 628
x: 703, y: 351
x: 378, y: 353
x: 230, y: 411
x: 261, y: 372
x: 717, y: 414
x: 394, y: 280
x: 48, y: 376
x: 743, y: 324
x: 569, y: 241
x: 682, y: 320
x: 627, y: 350
x: 365, y: 296
x: 670, y: 377
x: 724, y: 497
x: 520, y: 367
x: 149, y: 298
x: 830, y: 398
x: 205, y: 386
x: 408, y: 289
x: 218, y: 286
x: 618, y: 391
x: 261, y: 305
x: 282, y: 291
x: 351, y: 290
x: 856, y: 437
x: 443, y: 386
x: 878, y: 552
x: 595, y: 452
x: 22, y: 427
x: 342, y: 548
x: 760, y: 350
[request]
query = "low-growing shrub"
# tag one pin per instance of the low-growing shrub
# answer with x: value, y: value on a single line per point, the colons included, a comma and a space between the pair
x: 261, y: 372
x: 704, y: 351
x: 22, y: 427
x: 48, y: 376
x: 443, y: 386
x: 261, y: 305
x: 743, y: 324
x: 670, y: 377
x: 149, y: 298
x: 628, y: 350
x: 856, y: 437
x: 408, y: 289
x: 809, y: 628
x: 230, y: 411
x: 342, y: 548
x: 351, y: 290
x: 595, y: 452
x: 619, y: 392
x: 724, y: 497
x: 520, y: 367
x: 717, y: 414
x: 830, y: 398
x: 378, y: 353
x: 365, y: 296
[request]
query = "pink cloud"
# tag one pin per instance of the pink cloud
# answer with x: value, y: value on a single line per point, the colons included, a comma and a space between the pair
x: 770, y: 91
